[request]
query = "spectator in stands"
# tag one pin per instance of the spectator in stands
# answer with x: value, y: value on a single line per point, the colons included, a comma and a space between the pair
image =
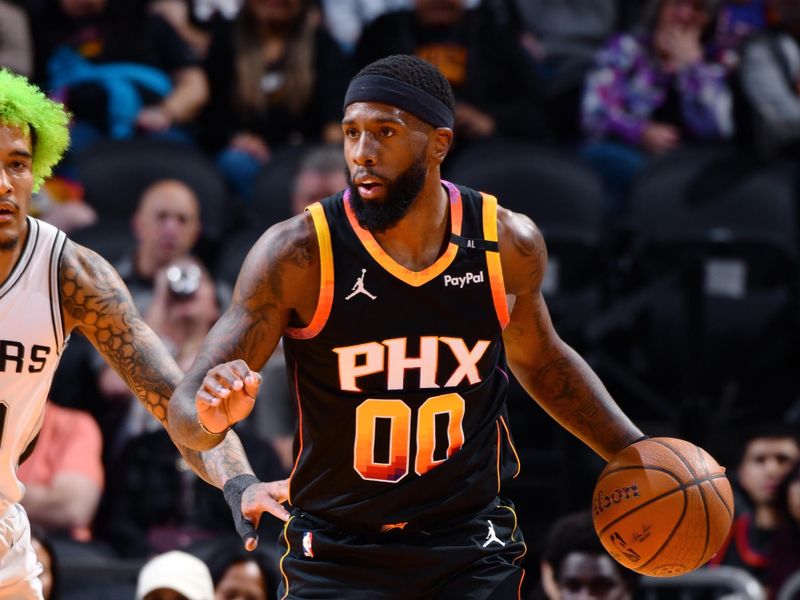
x: 166, y: 226
x: 192, y: 19
x: 784, y: 558
x: 63, y: 477
x: 16, y: 47
x: 277, y: 79
x: 767, y: 455
x: 120, y: 69
x: 769, y: 76
x: 175, y: 572
x: 495, y: 87
x: 46, y: 553
x: 562, y: 39
x: 574, y: 563
x: 242, y: 575
x: 653, y: 91
x: 321, y: 173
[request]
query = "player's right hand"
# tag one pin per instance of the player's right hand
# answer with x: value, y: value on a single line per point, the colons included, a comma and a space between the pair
x: 227, y: 395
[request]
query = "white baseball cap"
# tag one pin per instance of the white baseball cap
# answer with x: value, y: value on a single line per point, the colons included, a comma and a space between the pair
x: 178, y: 571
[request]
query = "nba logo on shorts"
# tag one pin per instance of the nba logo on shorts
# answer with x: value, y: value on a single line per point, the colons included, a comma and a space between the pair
x: 308, y: 539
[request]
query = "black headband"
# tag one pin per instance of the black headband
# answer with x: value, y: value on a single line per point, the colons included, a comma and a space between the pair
x: 421, y: 104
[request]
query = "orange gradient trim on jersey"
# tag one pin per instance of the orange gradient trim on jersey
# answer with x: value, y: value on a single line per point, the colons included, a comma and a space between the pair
x: 299, y: 434
x: 285, y: 554
x: 499, y: 449
x: 513, y: 531
x: 513, y: 448
x: 325, y: 301
x: 413, y: 278
x: 493, y: 260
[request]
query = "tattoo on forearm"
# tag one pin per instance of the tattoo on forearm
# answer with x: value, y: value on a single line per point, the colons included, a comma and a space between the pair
x: 564, y: 386
x: 95, y: 298
x: 221, y: 463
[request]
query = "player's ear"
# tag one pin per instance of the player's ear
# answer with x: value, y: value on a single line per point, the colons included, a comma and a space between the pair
x: 441, y: 142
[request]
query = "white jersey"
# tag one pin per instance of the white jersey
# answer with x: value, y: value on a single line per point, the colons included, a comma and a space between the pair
x: 31, y: 342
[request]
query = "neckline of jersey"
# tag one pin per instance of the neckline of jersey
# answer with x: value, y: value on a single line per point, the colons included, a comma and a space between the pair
x: 24, y: 258
x: 413, y: 278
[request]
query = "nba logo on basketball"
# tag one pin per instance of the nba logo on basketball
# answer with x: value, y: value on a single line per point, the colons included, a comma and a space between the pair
x: 308, y: 539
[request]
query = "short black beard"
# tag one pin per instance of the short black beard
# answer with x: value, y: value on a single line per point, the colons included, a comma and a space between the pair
x: 377, y: 217
x: 9, y: 245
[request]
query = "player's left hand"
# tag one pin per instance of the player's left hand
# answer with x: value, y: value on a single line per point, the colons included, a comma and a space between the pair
x: 249, y: 498
x: 227, y: 395
x: 264, y: 497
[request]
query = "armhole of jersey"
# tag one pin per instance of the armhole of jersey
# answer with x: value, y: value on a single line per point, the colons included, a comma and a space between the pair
x: 55, y: 290
x: 325, y: 300
x: 493, y: 260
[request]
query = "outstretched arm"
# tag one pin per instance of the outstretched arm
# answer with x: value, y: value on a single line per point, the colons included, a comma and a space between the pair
x: 549, y: 370
x: 279, y: 282
x: 96, y: 302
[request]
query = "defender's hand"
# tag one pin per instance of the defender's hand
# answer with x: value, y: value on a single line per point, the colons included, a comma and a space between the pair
x: 227, y: 395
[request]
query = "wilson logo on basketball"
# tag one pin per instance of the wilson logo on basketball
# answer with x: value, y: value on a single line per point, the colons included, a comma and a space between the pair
x: 603, y: 501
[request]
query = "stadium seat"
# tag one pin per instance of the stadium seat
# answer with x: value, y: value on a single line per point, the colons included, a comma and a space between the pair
x: 111, y: 238
x: 715, y: 304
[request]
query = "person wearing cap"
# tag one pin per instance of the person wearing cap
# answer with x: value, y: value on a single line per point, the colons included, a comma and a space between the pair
x: 175, y: 572
x: 392, y: 299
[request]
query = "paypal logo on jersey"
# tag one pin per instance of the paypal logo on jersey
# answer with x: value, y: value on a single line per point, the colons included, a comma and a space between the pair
x: 460, y: 282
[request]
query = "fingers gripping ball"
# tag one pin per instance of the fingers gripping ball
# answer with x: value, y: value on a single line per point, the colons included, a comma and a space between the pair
x: 662, y: 507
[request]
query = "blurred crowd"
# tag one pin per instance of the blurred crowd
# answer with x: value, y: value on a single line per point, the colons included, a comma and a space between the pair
x: 252, y: 92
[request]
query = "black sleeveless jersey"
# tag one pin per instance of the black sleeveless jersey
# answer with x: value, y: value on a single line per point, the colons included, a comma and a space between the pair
x: 400, y: 378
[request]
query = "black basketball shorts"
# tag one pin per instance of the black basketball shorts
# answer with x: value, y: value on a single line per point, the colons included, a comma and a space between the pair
x: 477, y: 559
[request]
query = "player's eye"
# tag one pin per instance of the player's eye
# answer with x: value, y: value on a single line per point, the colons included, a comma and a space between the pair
x: 387, y: 131
x: 351, y: 132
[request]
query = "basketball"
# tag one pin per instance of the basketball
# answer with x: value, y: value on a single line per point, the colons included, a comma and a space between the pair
x: 662, y: 507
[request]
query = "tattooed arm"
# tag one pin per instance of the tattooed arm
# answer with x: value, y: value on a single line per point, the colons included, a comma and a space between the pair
x: 549, y: 370
x: 96, y: 302
x: 277, y: 286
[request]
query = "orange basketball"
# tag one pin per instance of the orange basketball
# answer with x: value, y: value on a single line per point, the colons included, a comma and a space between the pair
x: 662, y: 507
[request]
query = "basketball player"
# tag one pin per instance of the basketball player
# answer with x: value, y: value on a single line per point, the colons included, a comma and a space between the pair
x: 403, y: 440
x: 49, y: 288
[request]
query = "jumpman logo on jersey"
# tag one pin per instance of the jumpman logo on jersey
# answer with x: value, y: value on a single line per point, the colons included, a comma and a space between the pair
x: 491, y: 536
x: 358, y: 287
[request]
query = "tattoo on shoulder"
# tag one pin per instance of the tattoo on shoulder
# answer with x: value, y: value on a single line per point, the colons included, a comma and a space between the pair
x: 293, y: 248
x: 527, y: 245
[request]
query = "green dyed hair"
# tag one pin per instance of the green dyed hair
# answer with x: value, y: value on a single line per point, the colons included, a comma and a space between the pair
x: 24, y: 105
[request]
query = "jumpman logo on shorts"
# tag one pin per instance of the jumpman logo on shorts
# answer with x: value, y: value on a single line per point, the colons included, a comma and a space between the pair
x: 358, y: 287
x: 492, y: 536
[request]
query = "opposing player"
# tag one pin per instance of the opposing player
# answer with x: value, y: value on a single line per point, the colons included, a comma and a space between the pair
x: 49, y: 288
x: 403, y: 440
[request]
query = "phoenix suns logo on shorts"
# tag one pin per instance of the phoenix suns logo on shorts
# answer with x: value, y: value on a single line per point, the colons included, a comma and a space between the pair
x: 605, y: 500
